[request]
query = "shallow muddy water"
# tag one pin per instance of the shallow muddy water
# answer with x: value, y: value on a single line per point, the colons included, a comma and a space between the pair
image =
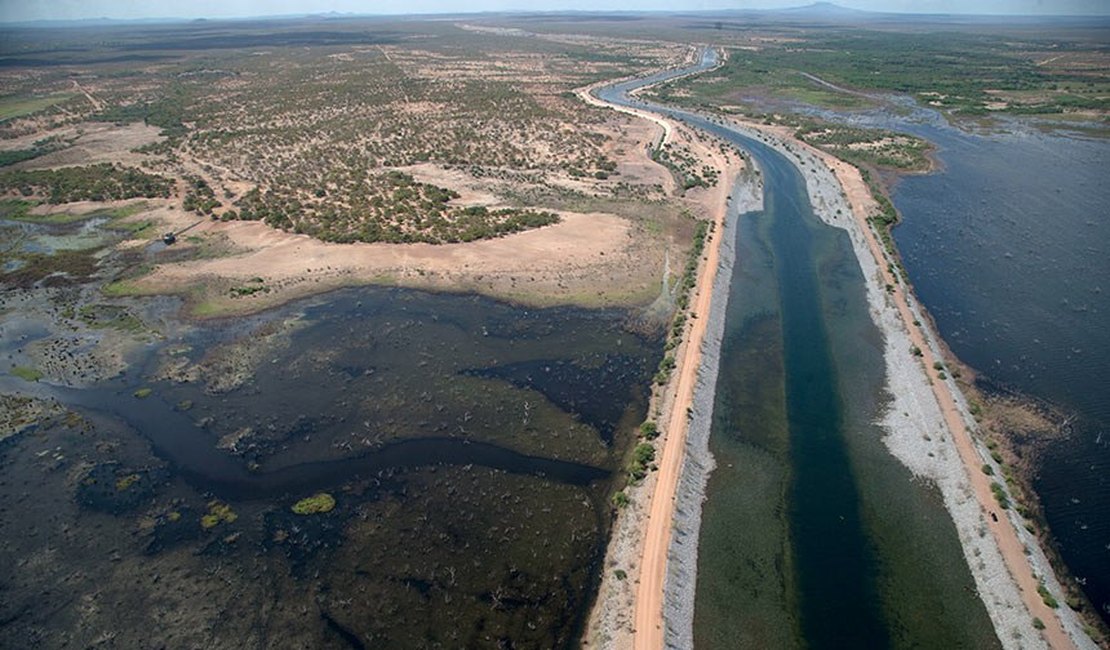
x: 469, y: 447
x: 856, y: 552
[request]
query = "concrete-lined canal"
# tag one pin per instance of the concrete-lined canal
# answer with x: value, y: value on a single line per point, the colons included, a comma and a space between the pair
x: 812, y: 535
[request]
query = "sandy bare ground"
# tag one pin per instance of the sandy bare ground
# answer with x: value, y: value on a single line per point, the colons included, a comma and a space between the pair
x: 566, y: 261
x: 590, y: 258
x: 628, y: 612
x: 653, y: 564
x: 92, y: 143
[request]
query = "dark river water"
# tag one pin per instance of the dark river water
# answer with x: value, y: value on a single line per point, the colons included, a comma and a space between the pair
x: 1008, y: 246
x: 813, y: 535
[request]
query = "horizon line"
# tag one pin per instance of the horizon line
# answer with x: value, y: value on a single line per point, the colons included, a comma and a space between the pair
x: 797, y: 10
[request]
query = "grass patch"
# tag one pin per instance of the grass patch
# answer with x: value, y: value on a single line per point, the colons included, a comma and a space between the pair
x: 961, y: 74
x: 110, y: 317
x: 120, y: 288
x: 142, y: 229
x: 124, y: 482
x: 19, y: 210
x: 810, y: 94
x: 218, y: 512
x: 210, y: 309
x: 74, y: 266
x: 315, y: 504
x: 16, y: 106
x: 27, y: 373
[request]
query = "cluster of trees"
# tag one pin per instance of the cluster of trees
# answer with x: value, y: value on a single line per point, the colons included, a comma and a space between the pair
x: 391, y: 207
x: 16, y: 156
x: 166, y: 112
x: 643, y: 457
x: 684, y: 165
x: 328, y: 114
x: 603, y: 167
x: 318, y: 133
x: 103, y: 182
x: 200, y: 198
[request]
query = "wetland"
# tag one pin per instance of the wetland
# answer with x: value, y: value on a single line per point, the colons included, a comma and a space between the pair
x: 371, y: 467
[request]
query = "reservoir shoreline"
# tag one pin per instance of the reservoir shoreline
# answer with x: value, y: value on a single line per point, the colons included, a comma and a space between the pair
x: 1006, y: 578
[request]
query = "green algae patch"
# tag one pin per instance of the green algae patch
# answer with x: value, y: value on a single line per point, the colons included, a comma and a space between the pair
x: 27, y: 374
x: 315, y: 504
x: 103, y: 316
x: 218, y: 512
x: 125, y: 482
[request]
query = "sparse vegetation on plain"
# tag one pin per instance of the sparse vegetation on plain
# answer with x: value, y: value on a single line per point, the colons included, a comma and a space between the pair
x: 965, y: 74
x: 319, y: 140
x: 869, y: 147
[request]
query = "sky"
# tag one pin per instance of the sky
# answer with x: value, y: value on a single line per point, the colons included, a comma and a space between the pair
x: 24, y: 10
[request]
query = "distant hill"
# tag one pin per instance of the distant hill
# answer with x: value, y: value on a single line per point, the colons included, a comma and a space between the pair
x: 826, y: 9
x: 834, y: 14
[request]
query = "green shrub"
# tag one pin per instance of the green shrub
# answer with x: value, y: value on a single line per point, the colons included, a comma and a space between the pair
x: 642, y: 456
x: 1047, y: 596
x: 1000, y: 495
x: 315, y: 504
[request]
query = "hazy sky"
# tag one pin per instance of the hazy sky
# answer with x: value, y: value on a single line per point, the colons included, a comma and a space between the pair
x: 19, y: 10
